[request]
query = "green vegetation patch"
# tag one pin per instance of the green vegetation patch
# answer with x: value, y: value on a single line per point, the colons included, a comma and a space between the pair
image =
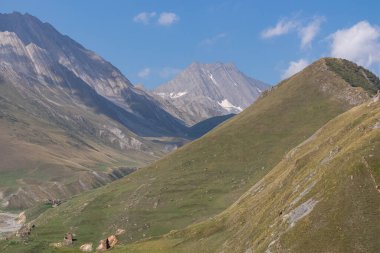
x: 355, y: 75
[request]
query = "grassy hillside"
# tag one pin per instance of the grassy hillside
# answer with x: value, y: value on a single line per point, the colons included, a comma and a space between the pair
x: 207, y: 125
x: 51, y: 151
x: 203, y: 178
x: 324, y: 196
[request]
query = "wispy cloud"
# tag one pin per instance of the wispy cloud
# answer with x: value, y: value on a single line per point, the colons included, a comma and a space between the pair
x: 282, y: 27
x: 162, y: 19
x: 308, y: 32
x: 212, y: 40
x: 144, y: 17
x: 295, y: 67
x: 144, y: 73
x: 359, y: 43
x: 167, y: 18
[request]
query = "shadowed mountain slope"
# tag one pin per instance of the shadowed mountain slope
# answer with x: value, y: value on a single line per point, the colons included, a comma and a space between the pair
x: 69, y: 120
x: 35, y: 53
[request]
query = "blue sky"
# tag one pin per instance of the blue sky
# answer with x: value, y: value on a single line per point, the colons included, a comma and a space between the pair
x: 150, y: 41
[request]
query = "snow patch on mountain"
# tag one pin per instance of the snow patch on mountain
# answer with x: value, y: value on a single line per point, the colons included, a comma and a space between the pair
x: 212, y: 90
x: 212, y: 78
x: 228, y: 106
x: 172, y: 95
x: 178, y: 94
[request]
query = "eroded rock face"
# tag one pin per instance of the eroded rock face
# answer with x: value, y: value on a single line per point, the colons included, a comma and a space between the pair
x: 35, y: 54
x: 9, y: 224
x: 36, y: 37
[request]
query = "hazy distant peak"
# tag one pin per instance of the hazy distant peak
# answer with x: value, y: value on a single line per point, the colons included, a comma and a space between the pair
x: 205, y: 90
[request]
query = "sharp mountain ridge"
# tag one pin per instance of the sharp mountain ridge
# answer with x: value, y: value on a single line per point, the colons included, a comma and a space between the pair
x: 202, y: 91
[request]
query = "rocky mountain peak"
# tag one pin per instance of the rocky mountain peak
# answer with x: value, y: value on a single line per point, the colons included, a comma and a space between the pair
x: 35, y: 57
x: 85, y: 64
x: 208, y: 90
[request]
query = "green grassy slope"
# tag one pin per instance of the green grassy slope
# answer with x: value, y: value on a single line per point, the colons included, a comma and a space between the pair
x: 50, y: 151
x: 203, y: 178
x: 324, y: 196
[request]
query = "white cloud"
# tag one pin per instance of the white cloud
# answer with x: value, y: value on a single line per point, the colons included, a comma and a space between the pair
x: 144, y: 17
x: 144, y: 73
x: 282, y: 27
x: 359, y: 43
x: 168, y: 18
x: 295, y: 67
x: 309, y: 32
x: 288, y: 25
x: 212, y: 40
x: 168, y: 72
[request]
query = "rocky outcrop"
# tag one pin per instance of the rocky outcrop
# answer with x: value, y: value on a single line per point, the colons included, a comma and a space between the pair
x: 10, y: 224
x: 107, y: 244
x: 87, y: 247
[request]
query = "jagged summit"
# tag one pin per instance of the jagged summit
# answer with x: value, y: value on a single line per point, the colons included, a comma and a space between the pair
x: 207, y: 90
x: 63, y: 50
x: 36, y: 52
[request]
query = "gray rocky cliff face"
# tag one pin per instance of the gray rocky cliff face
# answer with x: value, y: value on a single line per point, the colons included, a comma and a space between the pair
x: 202, y: 91
x: 34, y: 55
x: 85, y: 64
x: 75, y: 109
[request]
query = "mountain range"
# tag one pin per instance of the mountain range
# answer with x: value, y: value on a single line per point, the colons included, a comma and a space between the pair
x: 71, y: 116
x: 34, y: 52
x: 280, y: 146
x: 61, y: 132
x: 174, y: 169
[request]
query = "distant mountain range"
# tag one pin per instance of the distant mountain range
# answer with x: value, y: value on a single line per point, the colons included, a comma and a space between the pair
x: 70, y: 121
x: 202, y: 91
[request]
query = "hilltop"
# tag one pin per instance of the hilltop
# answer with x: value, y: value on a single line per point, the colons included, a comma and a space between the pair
x: 324, y: 196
